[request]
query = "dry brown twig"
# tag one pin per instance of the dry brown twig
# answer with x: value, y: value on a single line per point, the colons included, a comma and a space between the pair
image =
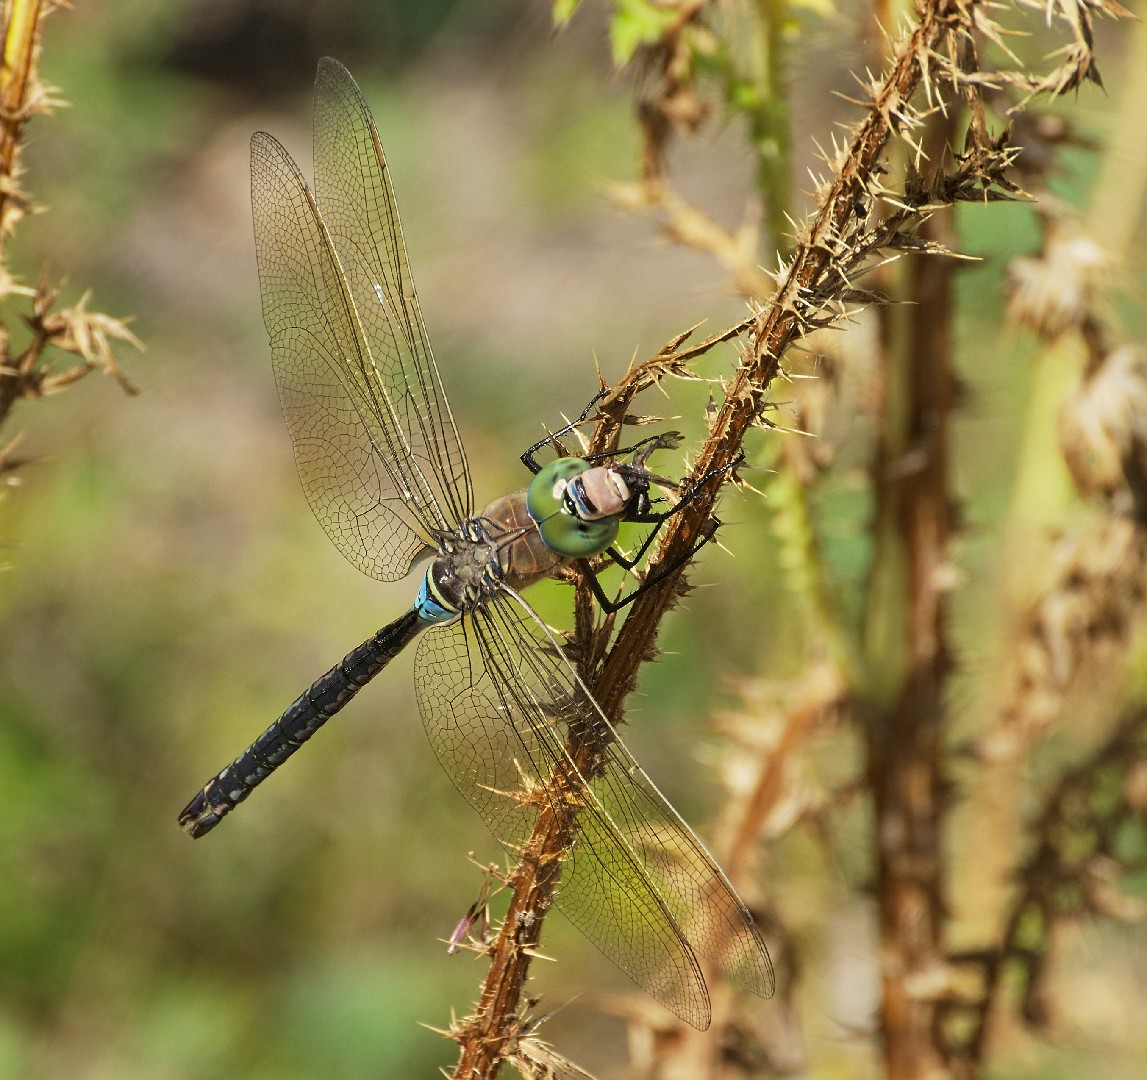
x: 75, y: 331
x: 1088, y: 836
x: 816, y: 288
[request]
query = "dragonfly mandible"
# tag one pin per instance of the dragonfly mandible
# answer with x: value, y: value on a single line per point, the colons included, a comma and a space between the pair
x: 384, y: 472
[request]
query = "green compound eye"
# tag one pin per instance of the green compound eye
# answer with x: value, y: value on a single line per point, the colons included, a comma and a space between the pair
x: 561, y: 530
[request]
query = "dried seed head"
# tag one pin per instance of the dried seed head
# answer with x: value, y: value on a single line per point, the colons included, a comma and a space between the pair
x: 1055, y: 291
x: 1103, y: 428
x: 1072, y: 634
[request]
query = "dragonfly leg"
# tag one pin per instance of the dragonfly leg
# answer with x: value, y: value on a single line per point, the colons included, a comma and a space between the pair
x: 528, y: 458
x: 628, y: 562
x: 647, y: 515
x: 664, y: 441
x: 610, y: 606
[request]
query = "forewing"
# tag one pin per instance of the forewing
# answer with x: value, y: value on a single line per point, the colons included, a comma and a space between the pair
x: 355, y: 194
x: 497, y: 697
x: 703, y: 903
x: 492, y: 735
x: 353, y: 469
x: 712, y: 916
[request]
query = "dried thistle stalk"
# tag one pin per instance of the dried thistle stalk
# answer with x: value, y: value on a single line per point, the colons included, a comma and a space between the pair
x: 816, y: 288
x: 74, y: 331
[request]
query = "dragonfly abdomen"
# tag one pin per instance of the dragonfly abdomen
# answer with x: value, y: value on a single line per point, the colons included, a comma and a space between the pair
x: 325, y: 697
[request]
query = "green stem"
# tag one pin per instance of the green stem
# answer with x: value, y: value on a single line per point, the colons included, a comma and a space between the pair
x: 769, y: 122
x: 794, y: 522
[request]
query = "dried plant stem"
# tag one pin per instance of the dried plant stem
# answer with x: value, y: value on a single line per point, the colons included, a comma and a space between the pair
x: 821, y: 694
x: 813, y: 279
x: 86, y: 335
x: 22, y: 21
x: 490, y: 1037
x: 907, y: 659
x: 810, y: 280
x: 1078, y: 853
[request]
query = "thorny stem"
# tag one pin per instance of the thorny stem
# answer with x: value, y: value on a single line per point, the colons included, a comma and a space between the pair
x: 489, y: 1038
x: 85, y: 334
x: 810, y: 274
x: 907, y: 658
x: 769, y: 122
x: 1079, y: 851
x: 811, y: 279
x: 21, y: 42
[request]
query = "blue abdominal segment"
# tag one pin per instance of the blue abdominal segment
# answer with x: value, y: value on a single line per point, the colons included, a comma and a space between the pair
x: 430, y: 609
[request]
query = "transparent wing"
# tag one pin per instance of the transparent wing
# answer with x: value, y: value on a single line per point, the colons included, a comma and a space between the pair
x: 354, y: 191
x: 353, y: 460
x: 499, y: 702
x: 351, y: 464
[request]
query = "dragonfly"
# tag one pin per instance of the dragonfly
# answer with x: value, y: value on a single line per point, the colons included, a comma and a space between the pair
x: 385, y: 473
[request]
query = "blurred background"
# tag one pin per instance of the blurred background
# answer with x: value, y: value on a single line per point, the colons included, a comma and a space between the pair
x: 165, y: 591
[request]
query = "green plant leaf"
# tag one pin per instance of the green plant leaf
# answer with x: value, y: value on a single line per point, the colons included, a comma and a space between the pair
x: 637, y: 23
x: 564, y: 11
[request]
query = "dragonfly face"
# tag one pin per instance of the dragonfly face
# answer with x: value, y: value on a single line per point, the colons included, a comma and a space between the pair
x: 578, y: 507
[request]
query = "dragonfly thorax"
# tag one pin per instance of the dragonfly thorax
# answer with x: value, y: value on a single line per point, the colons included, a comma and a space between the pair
x: 501, y: 545
x: 463, y: 573
x: 571, y: 510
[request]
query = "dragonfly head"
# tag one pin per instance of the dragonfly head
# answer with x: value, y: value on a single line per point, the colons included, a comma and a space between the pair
x: 577, y: 506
